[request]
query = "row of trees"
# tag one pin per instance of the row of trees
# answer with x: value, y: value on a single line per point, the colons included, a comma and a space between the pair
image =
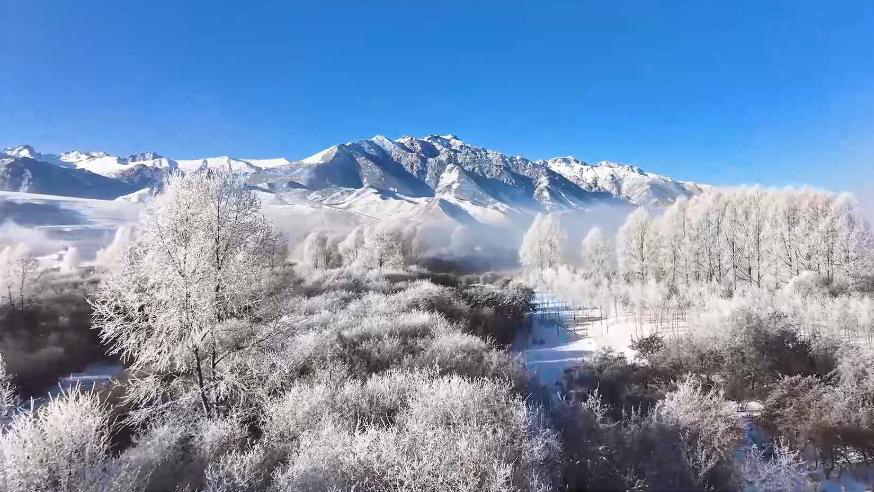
x: 376, y: 246
x: 738, y: 237
x: 747, y: 236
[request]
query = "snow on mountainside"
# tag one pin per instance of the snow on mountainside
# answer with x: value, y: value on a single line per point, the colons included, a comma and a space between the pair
x: 442, y: 170
x: 27, y: 175
x: 221, y: 162
x: 623, y: 181
x: 445, y: 165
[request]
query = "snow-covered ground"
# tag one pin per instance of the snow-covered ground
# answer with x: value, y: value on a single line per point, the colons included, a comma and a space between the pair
x: 560, y: 336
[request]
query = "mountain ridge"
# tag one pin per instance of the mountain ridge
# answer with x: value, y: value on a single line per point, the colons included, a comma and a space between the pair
x: 440, y: 166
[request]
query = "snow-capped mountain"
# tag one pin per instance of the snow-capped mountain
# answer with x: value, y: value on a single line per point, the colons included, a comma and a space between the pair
x: 31, y: 176
x: 623, y: 181
x: 435, y: 167
x: 447, y: 167
x: 143, y: 170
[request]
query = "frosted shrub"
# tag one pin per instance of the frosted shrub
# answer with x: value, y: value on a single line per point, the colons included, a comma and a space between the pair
x: 781, y: 469
x: 833, y: 418
x: 708, y: 424
x: 309, y: 305
x: 349, y: 404
x: 63, y: 445
x: 7, y: 391
x: 426, y: 296
x: 301, y: 407
x: 300, y: 353
x: 333, y: 458
x: 218, y: 436
x: 474, y: 434
x: 467, y: 355
x: 452, y: 434
x: 242, y: 471
x: 378, y: 401
x: 156, y: 458
x: 412, y: 324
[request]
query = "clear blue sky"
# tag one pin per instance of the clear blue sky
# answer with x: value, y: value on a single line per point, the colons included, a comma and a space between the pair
x: 722, y: 92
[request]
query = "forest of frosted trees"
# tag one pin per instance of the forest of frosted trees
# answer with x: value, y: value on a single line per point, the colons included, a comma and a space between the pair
x: 340, y: 362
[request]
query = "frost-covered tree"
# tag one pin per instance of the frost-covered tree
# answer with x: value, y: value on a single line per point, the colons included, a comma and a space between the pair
x: 351, y: 247
x: 855, y: 243
x: 320, y: 250
x: 597, y: 253
x: 543, y: 244
x: 638, y: 244
x: 19, y: 271
x: 200, y: 266
x: 674, y: 227
x: 749, y: 237
x: 753, y: 230
x: 386, y: 246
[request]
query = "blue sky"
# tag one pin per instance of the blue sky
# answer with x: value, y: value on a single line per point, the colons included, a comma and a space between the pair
x: 723, y: 92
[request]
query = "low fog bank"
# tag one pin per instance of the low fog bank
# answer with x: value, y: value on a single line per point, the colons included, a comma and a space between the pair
x: 34, y: 214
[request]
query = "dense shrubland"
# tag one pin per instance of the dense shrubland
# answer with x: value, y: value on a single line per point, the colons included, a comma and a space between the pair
x: 250, y: 372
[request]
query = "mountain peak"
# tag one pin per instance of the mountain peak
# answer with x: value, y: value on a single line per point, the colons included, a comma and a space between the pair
x: 21, y: 151
x: 143, y: 156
